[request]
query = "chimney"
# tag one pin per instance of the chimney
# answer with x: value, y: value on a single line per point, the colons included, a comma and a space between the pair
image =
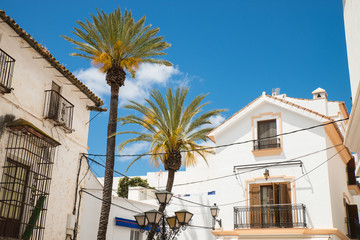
x: 319, y: 93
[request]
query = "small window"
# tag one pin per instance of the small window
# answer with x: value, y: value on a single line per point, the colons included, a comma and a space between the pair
x: 57, y: 108
x: 266, y: 135
x: 7, y: 64
x: 135, y: 235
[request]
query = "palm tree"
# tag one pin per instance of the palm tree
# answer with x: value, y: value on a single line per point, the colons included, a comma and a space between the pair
x: 116, y: 44
x: 171, y: 129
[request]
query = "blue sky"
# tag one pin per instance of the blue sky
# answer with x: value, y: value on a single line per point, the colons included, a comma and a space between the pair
x: 233, y: 50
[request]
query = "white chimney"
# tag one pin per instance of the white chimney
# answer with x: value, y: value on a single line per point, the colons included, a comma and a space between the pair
x: 319, y: 93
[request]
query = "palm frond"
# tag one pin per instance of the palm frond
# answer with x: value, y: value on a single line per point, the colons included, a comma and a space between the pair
x: 117, y: 39
x: 170, y: 126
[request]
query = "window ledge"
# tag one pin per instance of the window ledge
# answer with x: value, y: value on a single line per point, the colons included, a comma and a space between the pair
x: 267, y: 152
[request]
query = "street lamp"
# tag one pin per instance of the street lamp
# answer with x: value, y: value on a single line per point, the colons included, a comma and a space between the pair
x: 153, y: 217
x: 214, y: 210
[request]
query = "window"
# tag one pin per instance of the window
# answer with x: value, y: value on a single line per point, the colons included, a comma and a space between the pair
x: 266, y: 135
x: 270, y: 205
x: 58, y: 108
x: 25, y: 181
x: 352, y: 220
x: 135, y: 235
x: 6, y: 71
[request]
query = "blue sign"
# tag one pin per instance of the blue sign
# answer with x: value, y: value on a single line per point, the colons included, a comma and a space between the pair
x: 123, y: 222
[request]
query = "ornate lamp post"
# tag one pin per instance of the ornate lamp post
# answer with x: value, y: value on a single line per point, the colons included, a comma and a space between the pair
x: 174, y: 224
x: 214, y: 210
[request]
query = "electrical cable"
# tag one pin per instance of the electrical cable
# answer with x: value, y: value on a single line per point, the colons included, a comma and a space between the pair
x: 235, y: 174
x: 223, y: 145
x: 110, y: 202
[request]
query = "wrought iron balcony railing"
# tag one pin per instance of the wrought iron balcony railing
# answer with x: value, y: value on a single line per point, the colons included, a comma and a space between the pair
x: 269, y: 216
x: 58, y: 109
x: 266, y: 143
x: 6, y: 71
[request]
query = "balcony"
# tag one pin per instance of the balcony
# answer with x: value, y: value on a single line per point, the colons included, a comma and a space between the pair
x: 270, y: 216
x: 58, y: 109
x: 266, y: 143
x: 7, y: 64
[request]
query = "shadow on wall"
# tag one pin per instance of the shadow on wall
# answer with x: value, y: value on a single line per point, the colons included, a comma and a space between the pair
x: 4, y: 121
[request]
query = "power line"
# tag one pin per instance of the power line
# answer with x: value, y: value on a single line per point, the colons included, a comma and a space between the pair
x: 116, y: 205
x: 223, y: 145
x: 236, y: 174
x: 202, y: 205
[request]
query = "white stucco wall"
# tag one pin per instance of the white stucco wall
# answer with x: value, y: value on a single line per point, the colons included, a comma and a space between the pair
x: 352, y: 33
x: 32, y: 76
x: 90, y: 213
x: 320, y: 190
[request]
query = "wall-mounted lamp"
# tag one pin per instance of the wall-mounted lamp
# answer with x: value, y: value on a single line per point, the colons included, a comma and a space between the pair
x: 214, y: 210
x: 266, y: 174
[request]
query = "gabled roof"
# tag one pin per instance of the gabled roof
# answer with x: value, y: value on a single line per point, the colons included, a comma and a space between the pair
x: 264, y: 97
x: 318, y: 90
x: 53, y: 62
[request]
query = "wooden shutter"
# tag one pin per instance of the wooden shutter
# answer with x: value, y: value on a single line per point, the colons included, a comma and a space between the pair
x: 285, y: 210
x: 255, y: 209
x: 353, y: 220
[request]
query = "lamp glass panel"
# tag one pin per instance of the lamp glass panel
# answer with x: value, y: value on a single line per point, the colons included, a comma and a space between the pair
x: 141, y: 220
x: 172, y: 221
x: 158, y: 217
x: 163, y: 196
x: 214, y: 211
x: 153, y: 216
x: 188, y: 217
x: 180, y: 216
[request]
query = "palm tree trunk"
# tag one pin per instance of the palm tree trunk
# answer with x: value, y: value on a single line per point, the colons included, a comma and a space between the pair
x: 109, y: 169
x: 169, y: 185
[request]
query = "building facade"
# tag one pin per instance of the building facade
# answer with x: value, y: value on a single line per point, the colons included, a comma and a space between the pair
x: 44, y: 114
x: 352, y: 33
x: 121, y: 225
x: 280, y: 171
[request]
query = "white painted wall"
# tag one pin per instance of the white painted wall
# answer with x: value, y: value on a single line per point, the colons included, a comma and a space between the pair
x: 90, y: 213
x: 321, y: 190
x: 352, y: 33
x: 32, y: 76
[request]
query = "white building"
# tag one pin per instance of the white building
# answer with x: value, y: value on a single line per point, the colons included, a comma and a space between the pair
x: 122, y: 224
x: 44, y: 114
x: 308, y: 190
x: 352, y: 32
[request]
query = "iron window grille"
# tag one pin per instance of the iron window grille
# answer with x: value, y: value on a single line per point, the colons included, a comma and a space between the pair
x: 58, y: 109
x: 7, y: 64
x: 25, y: 183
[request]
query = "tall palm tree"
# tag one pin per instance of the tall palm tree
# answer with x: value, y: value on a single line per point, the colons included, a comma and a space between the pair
x: 171, y: 129
x: 116, y: 44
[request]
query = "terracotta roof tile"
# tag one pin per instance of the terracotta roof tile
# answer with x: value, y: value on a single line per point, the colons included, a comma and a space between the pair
x: 276, y: 99
x: 53, y: 62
